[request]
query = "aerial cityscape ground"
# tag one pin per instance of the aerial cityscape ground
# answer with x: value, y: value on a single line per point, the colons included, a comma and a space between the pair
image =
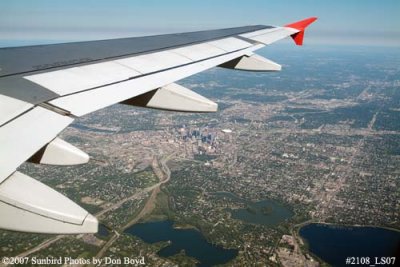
x: 317, y: 142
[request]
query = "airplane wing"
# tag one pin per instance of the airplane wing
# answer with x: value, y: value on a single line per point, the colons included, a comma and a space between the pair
x: 44, y: 88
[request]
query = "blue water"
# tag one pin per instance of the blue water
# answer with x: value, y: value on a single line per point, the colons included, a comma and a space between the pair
x: 334, y: 244
x: 190, y: 240
x: 254, y: 212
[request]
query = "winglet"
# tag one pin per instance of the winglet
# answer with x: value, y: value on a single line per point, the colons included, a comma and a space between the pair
x: 301, y: 26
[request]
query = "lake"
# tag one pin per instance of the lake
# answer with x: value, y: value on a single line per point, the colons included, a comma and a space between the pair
x: 190, y: 240
x: 333, y: 244
x: 265, y: 212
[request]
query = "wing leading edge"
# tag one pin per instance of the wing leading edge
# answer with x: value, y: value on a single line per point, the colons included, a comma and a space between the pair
x: 44, y: 88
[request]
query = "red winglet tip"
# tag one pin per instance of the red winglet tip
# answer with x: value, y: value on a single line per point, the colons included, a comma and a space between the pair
x: 300, y: 26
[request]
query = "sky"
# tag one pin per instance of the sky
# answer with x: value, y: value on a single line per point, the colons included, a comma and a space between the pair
x: 341, y: 22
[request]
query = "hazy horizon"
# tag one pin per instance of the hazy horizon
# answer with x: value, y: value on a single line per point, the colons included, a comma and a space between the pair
x: 367, y: 23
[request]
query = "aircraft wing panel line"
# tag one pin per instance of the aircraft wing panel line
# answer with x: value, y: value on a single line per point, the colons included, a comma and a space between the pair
x: 10, y: 108
x: 198, y: 52
x: 270, y: 35
x: 65, y: 55
x: 25, y: 135
x: 88, y: 101
x: 76, y: 79
x: 230, y: 44
x: 246, y: 51
x: 154, y: 62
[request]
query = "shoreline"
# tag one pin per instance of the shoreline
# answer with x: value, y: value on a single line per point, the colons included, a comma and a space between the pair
x: 304, y: 244
x: 345, y: 225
